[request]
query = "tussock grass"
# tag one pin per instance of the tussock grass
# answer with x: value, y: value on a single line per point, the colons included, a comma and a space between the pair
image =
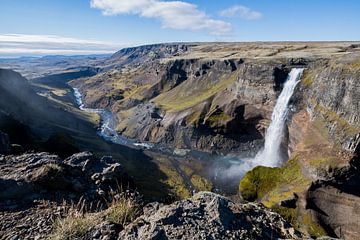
x: 80, y: 220
x: 122, y: 210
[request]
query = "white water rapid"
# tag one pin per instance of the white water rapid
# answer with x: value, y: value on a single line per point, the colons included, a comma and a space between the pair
x: 271, y: 156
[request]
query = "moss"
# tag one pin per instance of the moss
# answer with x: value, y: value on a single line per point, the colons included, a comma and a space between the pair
x: 313, y: 228
x: 193, y: 118
x: 174, y: 180
x: 216, y: 119
x: 256, y: 183
x: 289, y: 214
x: 200, y: 183
x: 272, y: 185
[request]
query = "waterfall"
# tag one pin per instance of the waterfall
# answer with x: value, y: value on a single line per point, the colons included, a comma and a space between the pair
x: 270, y: 155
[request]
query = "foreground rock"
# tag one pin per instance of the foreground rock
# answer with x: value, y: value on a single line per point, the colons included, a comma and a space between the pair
x: 208, y: 216
x: 33, y: 176
x: 36, y: 189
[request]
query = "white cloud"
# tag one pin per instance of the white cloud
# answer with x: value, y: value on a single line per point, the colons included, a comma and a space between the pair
x: 22, y: 44
x: 172, y: 14
x: 241, y: 12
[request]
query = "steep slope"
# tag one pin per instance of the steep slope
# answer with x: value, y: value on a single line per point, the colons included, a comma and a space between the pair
x: 40, y: 120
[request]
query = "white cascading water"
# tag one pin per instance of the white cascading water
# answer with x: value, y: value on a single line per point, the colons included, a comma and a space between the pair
x: 271, y: 156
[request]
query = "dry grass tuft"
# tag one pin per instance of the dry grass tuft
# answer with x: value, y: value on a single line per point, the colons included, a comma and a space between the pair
x: 80, y: 220
x: 122, y: 210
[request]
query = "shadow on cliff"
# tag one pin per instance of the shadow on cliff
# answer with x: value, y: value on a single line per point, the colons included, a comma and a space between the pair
x: 36, y: 123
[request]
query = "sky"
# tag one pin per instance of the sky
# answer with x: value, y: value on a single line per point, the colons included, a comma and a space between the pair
x: 73, y: 27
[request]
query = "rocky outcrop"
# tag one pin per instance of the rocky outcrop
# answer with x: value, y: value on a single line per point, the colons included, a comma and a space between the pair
x: 335, y: 201
x: 33, y: 176
x: 39, y: 189
x: 208, y: 216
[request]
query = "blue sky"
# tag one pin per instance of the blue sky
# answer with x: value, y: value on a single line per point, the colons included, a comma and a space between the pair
x: 38, y: 27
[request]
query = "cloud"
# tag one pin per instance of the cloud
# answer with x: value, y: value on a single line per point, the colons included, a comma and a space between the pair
x: 172, y: 14
x: 241, y: 12
x: 22, y: 44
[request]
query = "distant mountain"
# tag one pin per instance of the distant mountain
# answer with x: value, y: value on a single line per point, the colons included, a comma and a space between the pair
x: 35, y: 67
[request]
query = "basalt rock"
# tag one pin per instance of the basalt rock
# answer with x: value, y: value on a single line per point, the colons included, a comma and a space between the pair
x: 208, y: 216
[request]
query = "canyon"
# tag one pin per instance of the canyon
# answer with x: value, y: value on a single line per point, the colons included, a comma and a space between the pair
x: 189, y: 116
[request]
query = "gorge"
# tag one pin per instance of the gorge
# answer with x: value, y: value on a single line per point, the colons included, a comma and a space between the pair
x: 182, y: 118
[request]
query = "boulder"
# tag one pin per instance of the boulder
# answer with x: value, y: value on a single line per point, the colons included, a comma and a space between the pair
x: 44, y: 176
x: 209, y: 216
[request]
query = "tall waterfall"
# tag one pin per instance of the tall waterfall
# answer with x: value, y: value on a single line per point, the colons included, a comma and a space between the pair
x: 271, y: 156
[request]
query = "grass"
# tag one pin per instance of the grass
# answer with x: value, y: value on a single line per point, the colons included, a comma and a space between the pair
x: 122, y: 211
x: 355, y: 66
x: 78, y: 223
x: 74, y: 226
x: 175, y: 100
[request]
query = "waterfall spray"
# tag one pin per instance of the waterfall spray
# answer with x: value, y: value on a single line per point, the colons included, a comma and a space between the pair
x: 270, y: 156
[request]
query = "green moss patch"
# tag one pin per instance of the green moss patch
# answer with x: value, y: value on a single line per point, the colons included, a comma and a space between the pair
x: 313, y: 228
x: 200, y: 183
x: 218, y: 119
x: 186, y: 95
x: 259, y: 181
x: 272, y: 185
